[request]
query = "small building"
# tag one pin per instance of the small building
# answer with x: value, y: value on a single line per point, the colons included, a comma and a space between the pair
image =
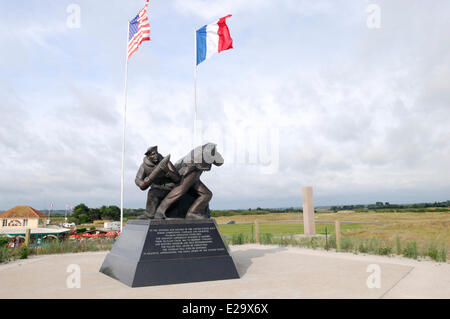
x: 112, y: 225
x: 22, y: 217
x: 15, y: 222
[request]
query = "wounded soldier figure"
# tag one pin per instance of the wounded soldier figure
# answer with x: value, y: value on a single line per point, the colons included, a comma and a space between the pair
x: 176, y: 190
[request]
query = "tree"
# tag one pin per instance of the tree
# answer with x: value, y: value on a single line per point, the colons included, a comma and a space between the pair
x: 110, y: 212
x: 83, y: 219
x: 72, y: 219
x: 95, y: 214
x: 79, y: 210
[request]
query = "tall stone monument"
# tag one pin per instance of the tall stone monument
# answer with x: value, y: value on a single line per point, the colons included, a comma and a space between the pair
x: 308, y: 211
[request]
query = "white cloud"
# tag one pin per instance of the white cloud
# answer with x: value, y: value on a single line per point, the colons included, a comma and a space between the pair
x: 368, y: 123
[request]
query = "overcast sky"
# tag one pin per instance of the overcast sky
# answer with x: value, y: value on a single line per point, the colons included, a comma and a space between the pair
x: 310, y: 95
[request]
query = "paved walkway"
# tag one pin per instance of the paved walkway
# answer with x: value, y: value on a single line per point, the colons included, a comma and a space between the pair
x: 266, y: 272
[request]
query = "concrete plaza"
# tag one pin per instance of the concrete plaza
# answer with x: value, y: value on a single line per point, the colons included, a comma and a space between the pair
x: 266, y: 272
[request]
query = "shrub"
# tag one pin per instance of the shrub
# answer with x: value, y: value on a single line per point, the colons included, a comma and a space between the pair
x: 24, y: 252
x: 385, y: 251
x: 3, y: 240
x: 399, y: 245
x: 76, y: 246
x: 374, y: 245
x: 363, y: 247
x: 304, y: 242
x: 443, y: 254
x: 346, y: 244
x: 73, y: 220
x: 92, y: 228
x: 410, y: 250
x: 238, y: 239
x: 314, y: 243
x: 81, y: 230
x: 282, y: 241
x: 83, y: 218
x: 4, y: 254
x: 265, y: 238
x: 433, y: 252
x: 332, y: 241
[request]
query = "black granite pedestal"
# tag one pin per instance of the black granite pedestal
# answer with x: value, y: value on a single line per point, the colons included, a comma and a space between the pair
x: 162, y: 252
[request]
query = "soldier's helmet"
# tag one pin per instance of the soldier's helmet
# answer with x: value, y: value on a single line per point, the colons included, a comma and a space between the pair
x: 150, y: 149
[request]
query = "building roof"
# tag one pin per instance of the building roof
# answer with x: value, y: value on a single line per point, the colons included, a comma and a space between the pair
x: 23, y: 212
x: 33, y: 231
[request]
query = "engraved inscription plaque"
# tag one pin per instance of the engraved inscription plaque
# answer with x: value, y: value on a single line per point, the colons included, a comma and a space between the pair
x: 180, y: 241
x: 156, y: 252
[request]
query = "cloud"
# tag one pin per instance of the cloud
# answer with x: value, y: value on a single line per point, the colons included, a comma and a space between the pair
x: 216, y: 9
x: 361, y: 114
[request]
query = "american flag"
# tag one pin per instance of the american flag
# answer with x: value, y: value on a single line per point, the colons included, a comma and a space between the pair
x: 139, y: 31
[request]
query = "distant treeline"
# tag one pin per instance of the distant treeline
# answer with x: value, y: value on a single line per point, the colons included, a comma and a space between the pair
x: 56, y: 212
x: 225, y: 212
x: 83, y: 214
x: 387, y: 205
x: 250, y: 211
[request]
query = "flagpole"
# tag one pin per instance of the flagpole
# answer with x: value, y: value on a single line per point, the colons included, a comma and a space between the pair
x: 123, y: 133
x: 195, y: 87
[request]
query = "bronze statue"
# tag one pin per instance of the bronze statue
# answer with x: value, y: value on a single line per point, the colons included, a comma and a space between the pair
x: 160, y: 175
x: 178, y: 189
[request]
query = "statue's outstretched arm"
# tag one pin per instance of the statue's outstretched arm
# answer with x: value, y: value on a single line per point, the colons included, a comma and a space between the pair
x: 172, y: 172
x: 141, y: 181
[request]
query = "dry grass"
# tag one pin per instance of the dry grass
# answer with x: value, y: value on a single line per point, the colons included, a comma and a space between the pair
x: 262, y: 218
x: 424, y: 228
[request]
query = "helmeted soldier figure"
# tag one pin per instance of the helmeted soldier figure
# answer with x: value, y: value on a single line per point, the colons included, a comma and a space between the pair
x: 160, y: 175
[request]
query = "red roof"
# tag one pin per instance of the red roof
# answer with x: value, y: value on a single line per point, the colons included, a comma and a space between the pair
x: 23, y: 212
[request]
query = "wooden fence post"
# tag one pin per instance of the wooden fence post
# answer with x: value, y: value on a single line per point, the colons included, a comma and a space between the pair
x: 27, y: 236
x: 338, y: 235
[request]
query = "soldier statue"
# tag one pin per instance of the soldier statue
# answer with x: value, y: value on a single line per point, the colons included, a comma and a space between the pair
x: 160, y: 175
x: 171, y: 183
x: 190, y: 168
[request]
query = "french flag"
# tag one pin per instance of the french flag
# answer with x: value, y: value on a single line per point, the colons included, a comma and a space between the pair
x: 213, y: 38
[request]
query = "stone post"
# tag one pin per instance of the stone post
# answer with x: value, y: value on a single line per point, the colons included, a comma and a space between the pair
x: 338, y: 235
x: 308, y: 211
